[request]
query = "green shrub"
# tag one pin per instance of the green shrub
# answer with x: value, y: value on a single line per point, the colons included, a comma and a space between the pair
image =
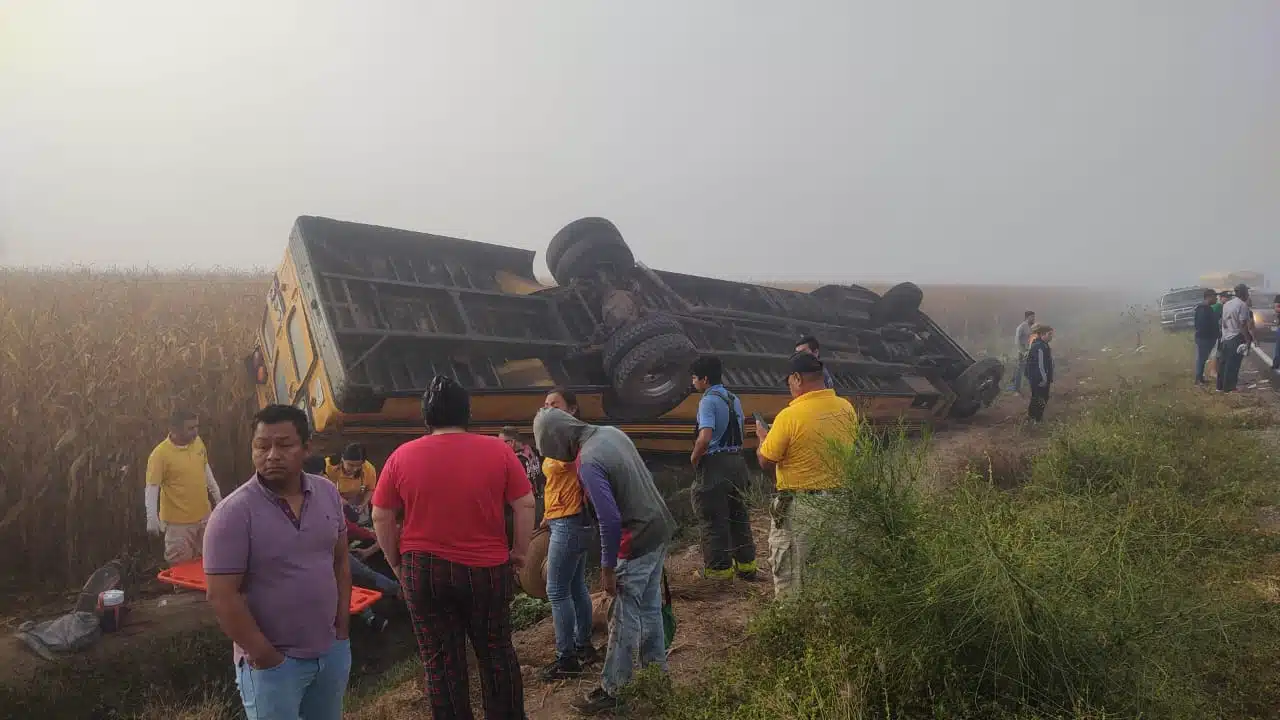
x: 1106, y: 586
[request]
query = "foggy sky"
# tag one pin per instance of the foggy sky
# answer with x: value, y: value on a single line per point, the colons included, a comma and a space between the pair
x: 979, y: 141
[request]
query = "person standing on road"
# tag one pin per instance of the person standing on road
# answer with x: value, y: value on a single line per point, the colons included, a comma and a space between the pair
x: 1208, y: 330
x: 635, y: 527
x: 1021, y: 343
x: 809, y: 344
x: 438, y: 513
x: 569, y: 521
x: 1039, y: 370
x: 180, y: 484
x: 721, y: 478
x: 1237, y: 333
x: 795, y: 449
x: 1275, y: 325
x: 275, y: 557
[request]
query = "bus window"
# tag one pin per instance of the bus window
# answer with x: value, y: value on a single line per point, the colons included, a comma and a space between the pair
x: 317, y: 393
x: 305, y: 406
x: 268, y: 336
x: 297, y: 345
x: 282, y: 383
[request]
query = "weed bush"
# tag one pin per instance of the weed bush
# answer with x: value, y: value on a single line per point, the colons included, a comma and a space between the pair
x: 1107, y: 586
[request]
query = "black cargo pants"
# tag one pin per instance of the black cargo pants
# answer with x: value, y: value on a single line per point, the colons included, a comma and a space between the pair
x: 719, y: 498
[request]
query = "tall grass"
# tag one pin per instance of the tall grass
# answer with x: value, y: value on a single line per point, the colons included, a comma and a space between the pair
x: 1109, y: 585
x: 92, y: 363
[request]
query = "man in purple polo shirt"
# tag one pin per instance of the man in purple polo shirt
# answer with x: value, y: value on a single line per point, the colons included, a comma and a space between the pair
x: 275, y: 554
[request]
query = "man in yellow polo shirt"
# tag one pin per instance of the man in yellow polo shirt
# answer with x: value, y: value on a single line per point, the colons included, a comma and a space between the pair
x: 796, y: 447
x: 179, y: 485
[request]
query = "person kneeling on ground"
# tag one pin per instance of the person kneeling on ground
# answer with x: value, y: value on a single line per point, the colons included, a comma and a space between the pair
x: 355, y: 478
x: 362, y: 575
x: 795, y: 449
x: 570, y: 523
x: 451, y: 555
x: 1039, y: 370
x: 635, y: 527
x: 721, y: 478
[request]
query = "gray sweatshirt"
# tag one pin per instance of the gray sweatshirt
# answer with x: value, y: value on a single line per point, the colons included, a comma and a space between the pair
x: 634, y: 519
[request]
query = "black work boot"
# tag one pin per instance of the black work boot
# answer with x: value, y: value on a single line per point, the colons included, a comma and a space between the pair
x: 587, y: 655
x: 562, y: 668
x: 596, y: 702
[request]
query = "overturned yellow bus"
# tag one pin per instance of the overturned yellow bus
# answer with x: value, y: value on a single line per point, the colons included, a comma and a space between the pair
x: 360, y: 317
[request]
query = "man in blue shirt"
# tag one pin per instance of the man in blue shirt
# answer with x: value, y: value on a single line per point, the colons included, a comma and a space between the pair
x: 809, y: 344
x: 721, y: 478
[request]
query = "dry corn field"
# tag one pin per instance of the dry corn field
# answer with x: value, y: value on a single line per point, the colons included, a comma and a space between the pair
x: 92, y: 363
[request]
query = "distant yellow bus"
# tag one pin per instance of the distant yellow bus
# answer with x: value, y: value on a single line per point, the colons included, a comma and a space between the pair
x: 359, y: 318
x: 1228, y: 280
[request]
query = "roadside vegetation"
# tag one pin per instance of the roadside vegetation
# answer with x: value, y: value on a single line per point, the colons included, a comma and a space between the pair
x: 1107, y: 575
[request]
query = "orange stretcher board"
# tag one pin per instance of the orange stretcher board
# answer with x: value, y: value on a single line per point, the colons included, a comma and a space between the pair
x: 190, y: 575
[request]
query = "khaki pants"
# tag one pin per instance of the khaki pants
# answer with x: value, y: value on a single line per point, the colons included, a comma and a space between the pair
x: 183, y: 543
x: 789, y: 543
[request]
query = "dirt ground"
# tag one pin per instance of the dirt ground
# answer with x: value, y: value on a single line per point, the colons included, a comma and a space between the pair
x: 712, y: 619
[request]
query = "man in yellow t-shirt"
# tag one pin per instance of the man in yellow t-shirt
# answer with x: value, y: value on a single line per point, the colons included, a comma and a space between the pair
x: 355, y: 478
x: 797, y: 448
x: 179, y: 486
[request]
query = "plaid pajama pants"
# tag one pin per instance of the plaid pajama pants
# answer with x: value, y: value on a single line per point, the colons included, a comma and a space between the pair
x: 448, y: 604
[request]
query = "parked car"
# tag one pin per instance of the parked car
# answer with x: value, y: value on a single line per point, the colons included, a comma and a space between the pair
x: 1178, y: 308
x: 360, y: 317
x: 1264, y: 314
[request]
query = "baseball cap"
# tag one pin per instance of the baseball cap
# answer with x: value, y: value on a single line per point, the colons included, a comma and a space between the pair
x: 803, y: 362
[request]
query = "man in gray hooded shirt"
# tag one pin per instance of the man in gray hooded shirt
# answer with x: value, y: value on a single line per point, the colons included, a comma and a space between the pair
x: 635, y: 527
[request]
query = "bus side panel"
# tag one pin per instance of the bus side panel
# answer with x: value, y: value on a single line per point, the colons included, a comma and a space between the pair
x: 327, y: 383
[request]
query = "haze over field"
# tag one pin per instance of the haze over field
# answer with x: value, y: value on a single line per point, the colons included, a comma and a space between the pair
x: 982, y: 142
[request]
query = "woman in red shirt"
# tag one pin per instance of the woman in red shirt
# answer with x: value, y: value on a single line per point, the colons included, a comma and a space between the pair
x: 447, y: 491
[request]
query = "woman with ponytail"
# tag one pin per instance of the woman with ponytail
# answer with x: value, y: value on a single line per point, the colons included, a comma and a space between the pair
x: 568, y: 518
x: 438, y: 512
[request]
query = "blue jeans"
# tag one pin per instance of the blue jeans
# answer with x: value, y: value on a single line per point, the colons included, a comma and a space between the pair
x: 635, y: 624
x: 366, y: 577
x: 1204, y: 348
x: 297, y: 689
x: 1019, y: 368
x: 1275, y: 352
x: 567, y: 583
